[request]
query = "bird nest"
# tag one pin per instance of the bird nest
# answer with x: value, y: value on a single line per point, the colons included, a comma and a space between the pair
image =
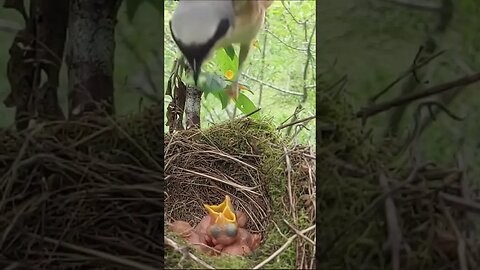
x: 201, y: 167
x: 83, y: 195
x: 269, y: 180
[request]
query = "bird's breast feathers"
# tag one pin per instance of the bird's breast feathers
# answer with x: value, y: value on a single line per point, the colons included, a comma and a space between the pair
x: 249, y: 19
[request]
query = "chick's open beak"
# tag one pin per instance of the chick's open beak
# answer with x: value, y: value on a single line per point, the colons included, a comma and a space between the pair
x: 222, y: 213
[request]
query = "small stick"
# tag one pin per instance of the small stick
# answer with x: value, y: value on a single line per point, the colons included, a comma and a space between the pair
x: 460, y: 202
x: 96, y: 253
x: 394, y: 232
x: 185, y: 252
x: 276, y: 253
x: 299, y: 233
x: 251, y: 113
x: 296, y: 122
x: 437, y: 89
x: 461, y: 246
x: 289, y: 183
x: 405, y: 74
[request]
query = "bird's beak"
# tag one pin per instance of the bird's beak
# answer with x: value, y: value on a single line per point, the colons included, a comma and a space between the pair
x: 222, y: 213
x: 197, y: 67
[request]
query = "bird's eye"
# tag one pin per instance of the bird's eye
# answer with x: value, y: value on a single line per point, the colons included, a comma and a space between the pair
x: 215, y: 230
x: 231, y: 229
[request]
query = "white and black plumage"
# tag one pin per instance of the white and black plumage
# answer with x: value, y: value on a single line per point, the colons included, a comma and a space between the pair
x: 199, y: 27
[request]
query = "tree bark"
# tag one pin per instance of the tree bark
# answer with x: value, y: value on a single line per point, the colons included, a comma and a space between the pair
x: 38, y: 47
x: 51, y: 19
x: 91, y: 47
x: 20, y: 73
x: 192, y: 107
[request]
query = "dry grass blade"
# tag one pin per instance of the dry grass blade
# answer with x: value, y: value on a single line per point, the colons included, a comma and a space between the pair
x: 81, y: 187
x: 240, y: 187
x: 99, y: 254
x: 184, y: 251
x: 461, y: 246
x: 282, y: 248
x: 394, y: 231
x: 289, y: 182
x: 299, y: 233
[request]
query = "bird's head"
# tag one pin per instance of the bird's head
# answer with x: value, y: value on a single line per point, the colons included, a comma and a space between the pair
x: 196, y: 26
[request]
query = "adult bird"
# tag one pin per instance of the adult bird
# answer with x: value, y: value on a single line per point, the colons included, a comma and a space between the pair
x: 199, y: 27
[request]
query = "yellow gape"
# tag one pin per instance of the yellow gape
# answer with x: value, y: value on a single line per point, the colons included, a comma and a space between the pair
x: 222, y: 231
x: 223, y: 213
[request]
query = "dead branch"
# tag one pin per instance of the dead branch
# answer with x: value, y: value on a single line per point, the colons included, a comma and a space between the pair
x: 185, y: 252
x: 366, y: 112
x: 409, y: 71
x: 394, y: 231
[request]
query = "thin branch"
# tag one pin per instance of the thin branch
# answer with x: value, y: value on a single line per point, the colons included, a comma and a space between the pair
x: 273, y: 86
x: 437, y: 89
x: 394, y: 231
x: 417, y: 4
x: 418, y: 127
x: 185, y: 252
x: 460, y: 202
x: 252, y: 113
x: 276, y: 253
x: 299, y: 233
x: 305, y: 70
x: 461, y: 246
x: 290, y: 13
x: 296, y: 122
x: 262, y: 70
x: 284, y: 43
x: 407, y: 72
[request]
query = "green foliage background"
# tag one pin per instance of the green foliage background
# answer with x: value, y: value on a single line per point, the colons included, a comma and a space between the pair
x: 373, y: 42
x: 143, y: 34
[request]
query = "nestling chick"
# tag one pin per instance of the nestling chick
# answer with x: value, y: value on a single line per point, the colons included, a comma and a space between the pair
x: 221, y: 231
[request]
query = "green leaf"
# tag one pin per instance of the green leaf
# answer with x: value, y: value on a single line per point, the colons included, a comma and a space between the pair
x: 211, y: 83
x: 230, y: 51
x: 222, y: 96
x: 245, y: 105
x: 225, y: 63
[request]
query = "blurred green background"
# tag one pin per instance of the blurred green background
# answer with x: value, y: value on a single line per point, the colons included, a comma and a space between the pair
x: 135, y: 42
x: 283, y: 68
x: 374, y: 41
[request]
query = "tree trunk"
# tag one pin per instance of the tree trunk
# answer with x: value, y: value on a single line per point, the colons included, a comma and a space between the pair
x: 42, y: 41
x: 39, y: 47
x: 51, y: 19
x: 192, y: 107
x: 20, y: 72
x: 91, y: 47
